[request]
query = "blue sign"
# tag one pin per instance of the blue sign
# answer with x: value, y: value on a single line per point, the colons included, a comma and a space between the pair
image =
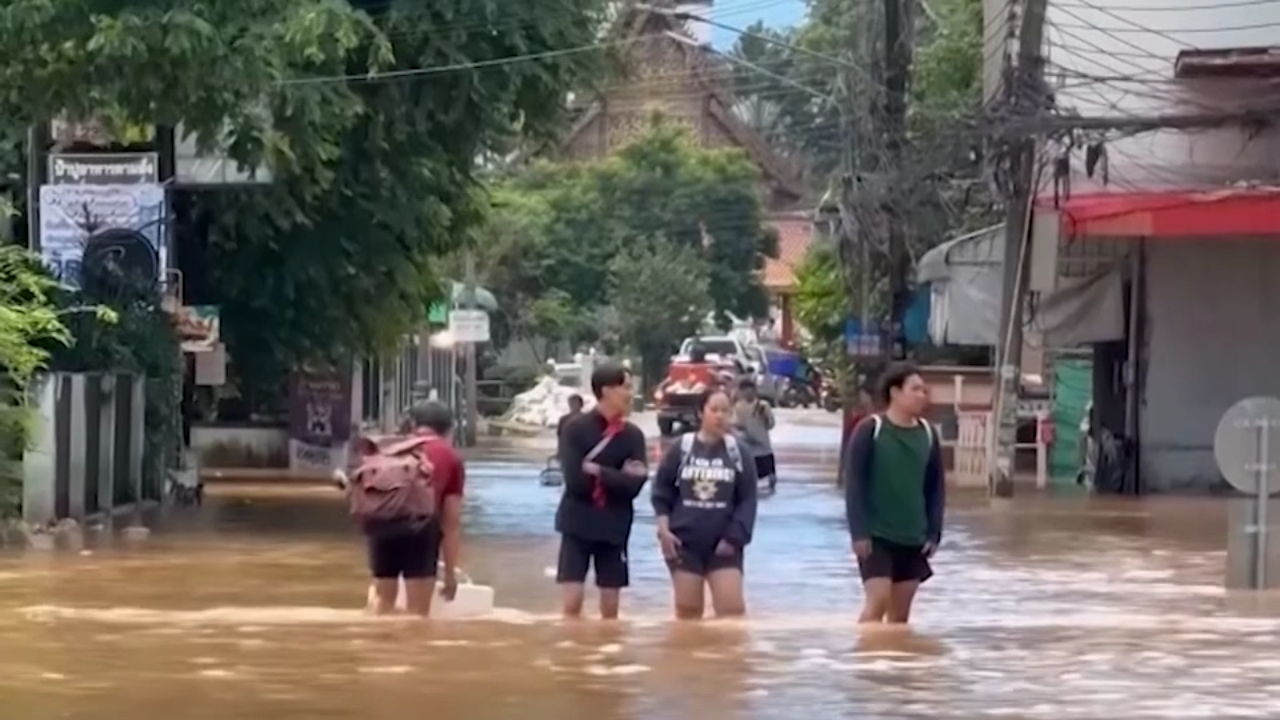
x: 859, y: 343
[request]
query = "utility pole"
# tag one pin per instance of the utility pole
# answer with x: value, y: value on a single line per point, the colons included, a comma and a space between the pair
x: 897, y: 68
x: 470, y: 392
x: 1022, y: 95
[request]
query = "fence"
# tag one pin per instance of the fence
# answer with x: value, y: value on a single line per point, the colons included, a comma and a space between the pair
x: 974, y: 445
x: 88, y: 456
x: 389, y: 385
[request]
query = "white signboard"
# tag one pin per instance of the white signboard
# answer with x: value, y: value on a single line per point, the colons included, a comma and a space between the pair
x: 469, y: 326
x: 70, y: 214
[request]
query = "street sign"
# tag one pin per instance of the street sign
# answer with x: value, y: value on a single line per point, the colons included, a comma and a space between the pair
x: 1247, y: 445
x: 469, y: 326
x: 1243, y: 447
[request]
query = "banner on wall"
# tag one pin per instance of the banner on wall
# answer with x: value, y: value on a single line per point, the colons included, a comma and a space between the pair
x: 319, y: 421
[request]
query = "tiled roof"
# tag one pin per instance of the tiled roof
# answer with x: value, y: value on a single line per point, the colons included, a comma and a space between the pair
x: 795, y: 233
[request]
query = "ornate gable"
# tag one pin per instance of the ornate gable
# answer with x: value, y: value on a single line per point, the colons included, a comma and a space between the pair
x: 667, y: 72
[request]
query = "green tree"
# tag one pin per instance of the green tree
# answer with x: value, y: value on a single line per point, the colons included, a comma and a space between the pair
x: 356, y: 231
x: 30, y: 323
x: 660, y: 292
x: 660, y: 186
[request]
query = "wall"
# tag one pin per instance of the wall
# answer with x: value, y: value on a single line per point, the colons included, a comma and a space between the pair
x: 1213, y: 334
x: 1108, y: 63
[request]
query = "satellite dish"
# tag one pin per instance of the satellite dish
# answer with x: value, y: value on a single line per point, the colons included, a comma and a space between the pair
x: 127, y: 251
x: 1246, y: 445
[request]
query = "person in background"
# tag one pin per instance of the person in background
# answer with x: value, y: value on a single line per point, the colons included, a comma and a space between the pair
x: 575, y: 409
x: 894, y: 496
x: 704, y: 497
x: 409, y: 550
x: 602, y: 456
x: 865, y: 406
x: 753, y: 420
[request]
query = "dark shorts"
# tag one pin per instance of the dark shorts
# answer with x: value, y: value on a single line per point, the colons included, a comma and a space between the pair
x: 765, y: 466
x: 704, y: 563
x: 895, y: 561
x: 578, y: 555
x: 411, y: 554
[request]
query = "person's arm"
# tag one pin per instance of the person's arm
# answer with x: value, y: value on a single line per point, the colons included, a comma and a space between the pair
x: 451, y: 518
x: 766, y: 413
x: 665, y: 490
x: 745, y: 493
x: 935, y: 491
x: 854, y: 471
x: 572, y: 454
x: 619, y: 482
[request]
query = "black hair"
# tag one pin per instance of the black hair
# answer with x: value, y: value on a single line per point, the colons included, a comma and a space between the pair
x: 575, y: 400
x: 710, y: 393
x: 894, y: 378
x: 432, y: 415
x: 607, y: 375
x: 747, y: 383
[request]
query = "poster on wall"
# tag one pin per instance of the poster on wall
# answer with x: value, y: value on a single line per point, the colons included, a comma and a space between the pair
x: 319, y: 421
x: 199, y: 327
x: 118, y: 221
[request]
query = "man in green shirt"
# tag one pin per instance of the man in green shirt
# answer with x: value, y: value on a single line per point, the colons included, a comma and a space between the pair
x: 894, y: 496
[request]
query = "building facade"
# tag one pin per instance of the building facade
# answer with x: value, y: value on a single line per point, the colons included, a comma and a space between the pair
x: 1176, y: 181
x: 670, y: 69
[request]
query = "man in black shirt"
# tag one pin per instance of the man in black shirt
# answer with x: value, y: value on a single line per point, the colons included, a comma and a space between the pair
x: 575, y: 409
x: 602, y: 457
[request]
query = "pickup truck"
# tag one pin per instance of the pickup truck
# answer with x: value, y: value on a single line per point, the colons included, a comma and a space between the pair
x: 750, y: 356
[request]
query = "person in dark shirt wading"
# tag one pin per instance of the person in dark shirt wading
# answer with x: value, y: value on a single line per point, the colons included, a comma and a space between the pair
x: 894, y: 496
x: 704, y: 496
x: 602, y: 457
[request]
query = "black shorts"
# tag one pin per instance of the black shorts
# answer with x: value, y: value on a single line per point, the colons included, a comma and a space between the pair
x: 577, y: 555
x: 410, y: 554
x: 704, y: 563
x: 765, y: 466
x: 895, y: 561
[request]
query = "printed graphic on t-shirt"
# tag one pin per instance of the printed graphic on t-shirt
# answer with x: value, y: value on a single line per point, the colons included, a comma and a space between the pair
x: 705, y: 476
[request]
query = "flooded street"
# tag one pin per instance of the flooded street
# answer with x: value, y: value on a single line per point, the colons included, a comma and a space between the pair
x: 250, y: 609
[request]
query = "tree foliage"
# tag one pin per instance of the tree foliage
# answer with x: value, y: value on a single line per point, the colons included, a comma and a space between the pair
x: 557, y: 229
x: 380, y: 182
x: 660, y: 293
x: 937, y: 186
x: 29, y: 325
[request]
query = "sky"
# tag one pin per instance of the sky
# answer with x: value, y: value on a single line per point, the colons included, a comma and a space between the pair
x: 741, y: 13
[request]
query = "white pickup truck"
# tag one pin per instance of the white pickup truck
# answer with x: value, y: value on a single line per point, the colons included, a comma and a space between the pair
x: 751, y: 357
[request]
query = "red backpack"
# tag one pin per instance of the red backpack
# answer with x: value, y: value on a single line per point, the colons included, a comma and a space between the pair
x: 393, y: 482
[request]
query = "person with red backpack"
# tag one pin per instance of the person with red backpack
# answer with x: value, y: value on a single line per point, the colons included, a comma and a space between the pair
x: 407, y: 496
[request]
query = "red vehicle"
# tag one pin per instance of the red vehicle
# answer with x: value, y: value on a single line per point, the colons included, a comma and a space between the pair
x: 677, y: 397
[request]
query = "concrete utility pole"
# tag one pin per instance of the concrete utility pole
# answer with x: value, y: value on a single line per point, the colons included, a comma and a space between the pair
x: 898, y: 52
x: 1023, y: 79
x: 471, y: 383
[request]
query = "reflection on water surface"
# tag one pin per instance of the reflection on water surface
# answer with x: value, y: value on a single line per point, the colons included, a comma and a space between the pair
x: 1063, y: 609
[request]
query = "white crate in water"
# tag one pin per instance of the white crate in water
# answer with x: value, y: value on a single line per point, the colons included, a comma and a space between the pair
x: 471, y: 601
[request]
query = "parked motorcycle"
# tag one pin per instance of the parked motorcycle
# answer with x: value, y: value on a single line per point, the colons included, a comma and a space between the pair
x: 829, y: 396
x: 796, y: 394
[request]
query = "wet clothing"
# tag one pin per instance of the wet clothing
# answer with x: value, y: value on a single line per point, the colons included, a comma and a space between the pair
x: 578, y: 556
x: 410, y: 549
x: 595, y: 514
x: 562, y: 423
x: 766, y: 468
x: 705, y: 563
x: 599, y: 508
x: 894, y: 486
x: 412, y: 555
x: 707, y: 496
x: 753, y: 422
x: 898, y: 563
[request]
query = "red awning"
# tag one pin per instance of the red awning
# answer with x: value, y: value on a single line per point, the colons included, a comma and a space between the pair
x: 1230, y: 212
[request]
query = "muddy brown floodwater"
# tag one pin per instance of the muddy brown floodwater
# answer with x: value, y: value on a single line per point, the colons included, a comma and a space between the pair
x: 249, y: 610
